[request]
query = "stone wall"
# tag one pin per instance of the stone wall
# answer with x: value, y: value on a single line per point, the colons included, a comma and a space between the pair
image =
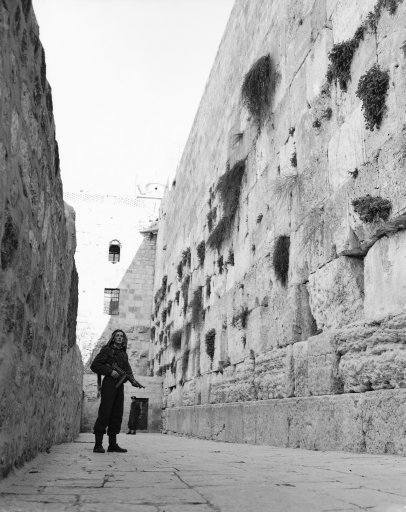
x: 303, y: 300
x: 136, y: 288
x: 40, y: 364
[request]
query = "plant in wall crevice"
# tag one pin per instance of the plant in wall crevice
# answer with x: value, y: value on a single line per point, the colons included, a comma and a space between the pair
x: 372, y: 208
x: 372, y: 90
x: 185, y: 293
x: 197, y: 306
x: 176, y: 339
x: 210, y: 339
x: 241, y: 317
x: 201, y: 252
x: 229, y: 188
x: 281, y: 258
x: 258, y: 88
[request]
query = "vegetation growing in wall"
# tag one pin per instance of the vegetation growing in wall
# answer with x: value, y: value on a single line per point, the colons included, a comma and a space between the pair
x: 169, y: 307
x: 342, y: 54
x: 341, y: 57
x: 152, y: 333
x: 185, y: 293
x: 210, y: 340
x: 9, y: 243
x: 293, y: 160
x: 241, y: 318
x: 208, y: 286
x: 185, y: 363
x: 177, y: 297
x: 257, y: 89
x: 173, y: 365
x: 372, y: 208
x: 26, y: 4
x: 179, y: 271
x: 283, y: 187
x: 372, y: 90
x: 229, y: 188
x: 230, y: 258
x: 211, y: 218
x: 201, y: 252
x: 176, y: 339
x: 220, y: 264
x: 197, y: 306
x: 281, y: 258
x: 186, y: 257
x: 163, y: 316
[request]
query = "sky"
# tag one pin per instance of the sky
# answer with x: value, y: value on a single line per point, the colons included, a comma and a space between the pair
x: 127, y: 77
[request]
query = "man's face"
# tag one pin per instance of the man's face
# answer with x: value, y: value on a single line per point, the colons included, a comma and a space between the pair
x: 119, y: 340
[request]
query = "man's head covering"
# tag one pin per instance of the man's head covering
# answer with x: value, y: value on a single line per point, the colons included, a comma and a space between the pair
x: 113, y: 335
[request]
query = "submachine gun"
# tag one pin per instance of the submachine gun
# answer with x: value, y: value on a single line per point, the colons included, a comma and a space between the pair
x: 124, y: 377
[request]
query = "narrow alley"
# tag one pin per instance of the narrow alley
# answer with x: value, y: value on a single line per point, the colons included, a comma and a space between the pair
x: 172, y: 474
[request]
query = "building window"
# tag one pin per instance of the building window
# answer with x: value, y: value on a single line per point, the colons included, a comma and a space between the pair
x: 111, y: 300
x: 114, y: 251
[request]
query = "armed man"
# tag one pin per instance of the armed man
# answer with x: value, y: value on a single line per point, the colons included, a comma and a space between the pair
x: 112, y: 362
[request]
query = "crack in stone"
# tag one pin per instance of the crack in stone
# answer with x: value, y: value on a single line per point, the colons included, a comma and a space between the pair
x: 192, y: 488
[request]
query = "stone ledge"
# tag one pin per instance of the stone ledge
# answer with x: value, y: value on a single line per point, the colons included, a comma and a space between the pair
x: 372, y: 422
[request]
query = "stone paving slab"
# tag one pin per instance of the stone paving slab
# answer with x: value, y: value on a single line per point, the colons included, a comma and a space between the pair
x: 174, y: 474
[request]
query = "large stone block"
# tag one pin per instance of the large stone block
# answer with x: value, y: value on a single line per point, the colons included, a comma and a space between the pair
x: 323, y: 375
x: 372, y: 355
x: 385, y: 277
x: 336, y: 292
x: 371, y: 422
x: 346, y: 149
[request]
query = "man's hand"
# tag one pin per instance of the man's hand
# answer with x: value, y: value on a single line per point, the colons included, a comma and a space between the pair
x: 114, y: 374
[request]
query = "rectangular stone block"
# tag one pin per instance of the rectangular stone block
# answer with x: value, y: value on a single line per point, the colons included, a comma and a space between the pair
x: 385, y: 277
x: 336, y: 292
x: 323, y: 378
x: 372, y: 355
x: 360, y: 422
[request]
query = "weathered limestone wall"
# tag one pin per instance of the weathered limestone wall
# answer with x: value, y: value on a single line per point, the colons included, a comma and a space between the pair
x: 136, y: 290
x: 40, y: 363
x: 295, y: 349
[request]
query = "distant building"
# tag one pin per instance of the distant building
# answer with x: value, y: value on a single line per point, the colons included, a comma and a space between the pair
x: 116, y: 272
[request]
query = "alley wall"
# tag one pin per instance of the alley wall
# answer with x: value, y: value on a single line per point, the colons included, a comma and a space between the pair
x: 292, y: 331
x: 40, y: 363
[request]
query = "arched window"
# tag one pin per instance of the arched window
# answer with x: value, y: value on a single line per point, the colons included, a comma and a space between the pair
x: 114, y: 251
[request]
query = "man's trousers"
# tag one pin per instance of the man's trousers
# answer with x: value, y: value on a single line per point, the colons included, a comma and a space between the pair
x: 111, y: 408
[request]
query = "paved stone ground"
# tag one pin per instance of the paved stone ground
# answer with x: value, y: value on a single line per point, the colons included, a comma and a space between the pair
x: 173, y: 474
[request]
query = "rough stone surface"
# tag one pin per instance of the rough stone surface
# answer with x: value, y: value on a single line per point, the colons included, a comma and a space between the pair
x: 372, y: 355
x: 171, y: 474
x: 336, y: 292
x: 365, y: 422
x: 40, y: 364
x: 385, y: 277
x: 280, y: 320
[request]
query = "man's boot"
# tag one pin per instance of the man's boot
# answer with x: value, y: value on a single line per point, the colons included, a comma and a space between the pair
x: 98, y: 446
x: 113, y: 446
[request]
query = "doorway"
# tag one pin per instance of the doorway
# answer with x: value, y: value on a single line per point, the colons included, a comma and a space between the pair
x: 143, y: 418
